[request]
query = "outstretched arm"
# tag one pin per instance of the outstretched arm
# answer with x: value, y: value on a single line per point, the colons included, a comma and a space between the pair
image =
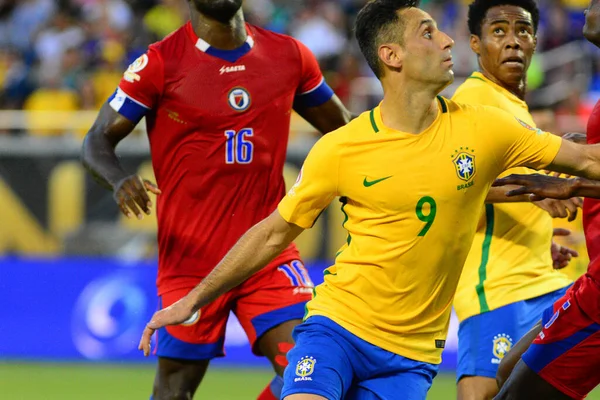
x: 250, y: 254
x: 499, y: 195
x: 577, y: 159
x: 555, y: 208
x: 544, y: 186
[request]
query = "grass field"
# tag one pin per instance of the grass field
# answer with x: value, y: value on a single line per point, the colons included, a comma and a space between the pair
x: 114, y: 382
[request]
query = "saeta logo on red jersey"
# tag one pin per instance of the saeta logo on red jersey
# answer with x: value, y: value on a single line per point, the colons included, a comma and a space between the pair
x: 234, y: 68
x: 239, y: 99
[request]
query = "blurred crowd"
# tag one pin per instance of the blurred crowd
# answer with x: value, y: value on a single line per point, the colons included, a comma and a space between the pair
x: 70, y: 54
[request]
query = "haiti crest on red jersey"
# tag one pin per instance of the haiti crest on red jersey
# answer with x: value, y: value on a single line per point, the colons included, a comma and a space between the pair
x: 239, y: 99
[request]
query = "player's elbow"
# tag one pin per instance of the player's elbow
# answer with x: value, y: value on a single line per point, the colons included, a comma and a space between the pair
x: 278, y: 233
x: 90, y: 146
x: 86, y: 150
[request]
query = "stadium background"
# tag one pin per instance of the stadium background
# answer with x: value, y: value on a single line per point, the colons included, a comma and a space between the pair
x: 76, y: 278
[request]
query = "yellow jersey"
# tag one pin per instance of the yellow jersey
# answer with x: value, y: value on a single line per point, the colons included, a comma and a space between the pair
x: 510, y: 259
x: 411, y: 205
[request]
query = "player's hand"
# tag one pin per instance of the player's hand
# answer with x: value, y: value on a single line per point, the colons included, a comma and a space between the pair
x: 561, y: 255
x: 131, y: 195
x: 175, y: 314
x: 539, y: 186
x: 575, y: 137
x: 561, y: 208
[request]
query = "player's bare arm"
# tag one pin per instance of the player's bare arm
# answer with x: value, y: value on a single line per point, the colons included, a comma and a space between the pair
x: 250, y: 254
x: 327, y: 117
x: 498, y: 195
x: 99, y: 157
x: 544, y: 186
x: 577, y: 159
x: 555, y: 208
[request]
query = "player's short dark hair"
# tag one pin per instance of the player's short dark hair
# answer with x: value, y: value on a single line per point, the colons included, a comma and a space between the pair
x: 479, y: 8
x: 378, y: 22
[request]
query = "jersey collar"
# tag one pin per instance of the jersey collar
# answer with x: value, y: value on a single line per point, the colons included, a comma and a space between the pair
x: 227, y: 55
x: 377, y: 125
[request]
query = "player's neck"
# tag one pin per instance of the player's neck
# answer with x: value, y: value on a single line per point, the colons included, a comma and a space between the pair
x: 224, y: 36
x: 517, y: 88
x: 408, y: 110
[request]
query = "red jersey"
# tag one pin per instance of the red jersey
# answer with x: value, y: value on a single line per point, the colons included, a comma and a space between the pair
x: 218, y: 124
x: 591, y: 207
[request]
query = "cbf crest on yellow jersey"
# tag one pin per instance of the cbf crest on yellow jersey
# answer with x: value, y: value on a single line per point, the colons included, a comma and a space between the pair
x: 411, y: 205
x: 510, y: 259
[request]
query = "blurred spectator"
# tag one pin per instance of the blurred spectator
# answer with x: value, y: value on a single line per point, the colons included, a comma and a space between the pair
x: 555, y: 29
x: 47, y: 104
x: 107, y: 75
x: 15, y: 85
x: 71, y: 69
x: 322, y: 29
x: 20, y: 19
x: 62, y: 34
x: 572, y: 113
x: 166, y: 17
x: 110, y: 14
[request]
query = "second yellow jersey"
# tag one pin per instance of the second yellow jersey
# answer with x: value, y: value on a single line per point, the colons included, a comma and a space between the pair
x: 510, y: 259
x: 412, y: 204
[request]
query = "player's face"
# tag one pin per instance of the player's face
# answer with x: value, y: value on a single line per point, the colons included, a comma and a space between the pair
x: 221, y: 10
x: 427, y: 50
x: 507, y: 43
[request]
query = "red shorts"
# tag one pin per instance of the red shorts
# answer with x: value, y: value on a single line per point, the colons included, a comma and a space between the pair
x: 273, y: 296
x: 566, y: 353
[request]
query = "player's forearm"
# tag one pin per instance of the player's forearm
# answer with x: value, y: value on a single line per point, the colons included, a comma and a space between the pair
x: 498, y: 195
x: 99, y: 158
x: 586, y: 188
x: 255, y: 249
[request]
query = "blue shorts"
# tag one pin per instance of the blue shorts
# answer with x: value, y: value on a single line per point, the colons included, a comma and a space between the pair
x: 331, y: 362
x: 484, y: 339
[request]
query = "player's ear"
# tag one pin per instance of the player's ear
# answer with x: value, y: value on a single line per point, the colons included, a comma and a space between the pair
x: 391, y: 54
x: 534, y: 43
x: 475, y: 44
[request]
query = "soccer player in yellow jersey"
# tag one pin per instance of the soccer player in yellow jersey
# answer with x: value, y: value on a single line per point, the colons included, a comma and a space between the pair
x: 508, y: 279
x: 412, y: 174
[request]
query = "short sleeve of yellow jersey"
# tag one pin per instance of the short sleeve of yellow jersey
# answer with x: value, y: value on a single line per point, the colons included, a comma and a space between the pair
x: 516, y: 143
x: 316, y: 185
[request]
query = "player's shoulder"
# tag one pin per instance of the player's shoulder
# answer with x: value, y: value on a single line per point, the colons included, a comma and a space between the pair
x: 172, y: 44
x: 354, y: 130
x: 475, y: 90
x: 458, y: 108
